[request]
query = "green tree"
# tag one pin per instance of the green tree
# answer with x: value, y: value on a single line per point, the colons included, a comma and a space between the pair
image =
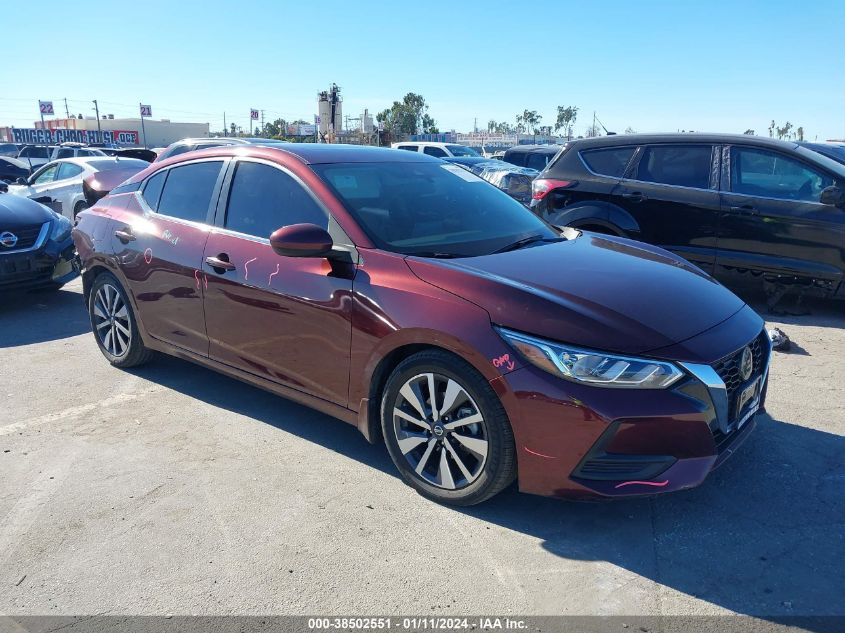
x: 409, y: 116
x: 800, y: 132
x: 630, y: 130
x: 749, y: 132
x: 566, y: 119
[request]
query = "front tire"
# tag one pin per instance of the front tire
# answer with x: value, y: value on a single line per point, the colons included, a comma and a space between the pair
x: 446, y: 430
x: 114, y: 324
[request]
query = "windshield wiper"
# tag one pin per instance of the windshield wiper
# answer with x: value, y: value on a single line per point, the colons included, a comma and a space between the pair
x: 526, y: 241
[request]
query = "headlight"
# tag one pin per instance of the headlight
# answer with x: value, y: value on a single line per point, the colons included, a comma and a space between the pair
x: 592, y: 367
x: 61, y: 228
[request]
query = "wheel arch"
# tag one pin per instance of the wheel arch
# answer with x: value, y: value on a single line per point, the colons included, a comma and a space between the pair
x: 598, y: 213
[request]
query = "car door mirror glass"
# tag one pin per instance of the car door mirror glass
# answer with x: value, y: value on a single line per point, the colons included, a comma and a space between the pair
x: 833, y: 196
x: 301, y: 240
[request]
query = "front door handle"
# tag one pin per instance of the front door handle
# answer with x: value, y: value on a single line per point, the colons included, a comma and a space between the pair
x: 745, y: 209
x: 124, y: 235
x: 220, y: 265
x: 634, y: 196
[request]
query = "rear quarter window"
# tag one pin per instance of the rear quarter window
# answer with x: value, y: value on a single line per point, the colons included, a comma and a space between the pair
x: 610, y: 161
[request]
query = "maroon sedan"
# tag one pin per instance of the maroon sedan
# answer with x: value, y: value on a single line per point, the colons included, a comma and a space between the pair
x: 412, y: 299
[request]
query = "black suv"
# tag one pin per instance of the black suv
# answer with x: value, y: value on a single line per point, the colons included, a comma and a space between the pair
x: 531, y: 156
x: 740, y: 207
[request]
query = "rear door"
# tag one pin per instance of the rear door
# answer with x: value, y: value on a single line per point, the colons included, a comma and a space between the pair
x: 67, y: 186
x: 772, y: 219
x: 672, y: 193
x: 286, y: 319
x: 160, y: 249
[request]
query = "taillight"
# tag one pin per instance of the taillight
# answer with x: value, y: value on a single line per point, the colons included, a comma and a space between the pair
x: 541, y: 187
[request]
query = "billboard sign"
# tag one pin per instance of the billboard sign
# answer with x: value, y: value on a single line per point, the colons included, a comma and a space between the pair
x: 39, y: 136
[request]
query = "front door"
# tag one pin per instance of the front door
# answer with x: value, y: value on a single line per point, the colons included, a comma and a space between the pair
x: 286, y: 319
x: 160, y: 250
x: 672, y: 193
x: 772, y: 220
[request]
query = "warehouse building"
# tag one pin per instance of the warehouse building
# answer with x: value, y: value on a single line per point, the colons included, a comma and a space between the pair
x: 158, y: 133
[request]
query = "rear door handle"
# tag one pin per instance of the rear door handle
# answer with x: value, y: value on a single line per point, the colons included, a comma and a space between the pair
x: 745, y: 209
x: 220, y: 265
x: 634, y: 196
x: 124, y: 235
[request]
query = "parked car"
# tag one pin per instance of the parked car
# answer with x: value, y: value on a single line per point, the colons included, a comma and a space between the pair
x: 9, y: 149
x: 834, y: 151
x: 147, y: 155
x: 193, y: 144
x: 35, y: 155
x: 59, y: 184
x: 467, y: 161
x: 11, y: 169
x: 99, y: 184
x: 74, y: 150
x: 739, y: 207
x: 532, y: 156
x: 514, y: 181
x: 36, y: 249
x: 438, y: 150
x: 407, y: 297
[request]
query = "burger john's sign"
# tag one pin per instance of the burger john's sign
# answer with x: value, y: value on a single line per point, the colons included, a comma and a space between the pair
x: 39, y: 136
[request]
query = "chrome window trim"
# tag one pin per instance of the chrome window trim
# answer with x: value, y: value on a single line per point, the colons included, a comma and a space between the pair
x: 39, y: 241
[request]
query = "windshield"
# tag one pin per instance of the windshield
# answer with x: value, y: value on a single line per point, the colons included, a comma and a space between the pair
x: 821, y: 160
x: 118, y: 163
x: 460, y: 150
x: 430, y: 209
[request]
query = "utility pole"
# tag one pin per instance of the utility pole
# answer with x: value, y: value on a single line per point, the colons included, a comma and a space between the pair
x: 99, y: 131
x: 225, y: 133
x: 67, y: 112
x: 262, y: 122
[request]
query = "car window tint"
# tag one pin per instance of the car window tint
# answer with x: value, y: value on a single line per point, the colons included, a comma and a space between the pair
x: 34, y: 152
x: 46, y: 176
x: 610, y: 161
x: 769, y: 174
x: 64, y: 153
x: 434, y: 151
x: 179, y: 149
x: 187, y: 192
x: 264, y: 198
x: 537, y: 161
x: 515, y: 158
x: 410, y: 148
x: 68, y: 170
x: 680, y: 165
x: 152, y: 190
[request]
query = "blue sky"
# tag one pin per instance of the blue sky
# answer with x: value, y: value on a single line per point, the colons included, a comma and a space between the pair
x: 652, y: 65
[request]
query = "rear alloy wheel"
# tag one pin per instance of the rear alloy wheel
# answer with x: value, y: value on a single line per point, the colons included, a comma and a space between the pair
x: 113, y: 323
x: 446, y: 430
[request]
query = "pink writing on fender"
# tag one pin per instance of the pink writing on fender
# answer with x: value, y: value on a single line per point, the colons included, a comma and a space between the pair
x: 656, y: 484
x: 197, y: 278
x: 273, y: 274
x: 246, y: 267
x: 504, y: 361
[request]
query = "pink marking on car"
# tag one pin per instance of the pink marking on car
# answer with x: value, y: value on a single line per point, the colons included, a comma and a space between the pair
x: 197, y: 278
x: 273, y: 274
x: 148, y: 255
x: 656, y: 484
x: 528, y: 450
x: 246, y: 267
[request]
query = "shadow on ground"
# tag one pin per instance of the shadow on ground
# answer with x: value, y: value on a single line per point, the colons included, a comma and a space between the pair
x: 764, y: 535
x: 40, y: 316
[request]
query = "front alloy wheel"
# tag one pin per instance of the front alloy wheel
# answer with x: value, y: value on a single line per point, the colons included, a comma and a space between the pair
x: 111, y: 320
x: 440, y: 431
x: 446, y: 430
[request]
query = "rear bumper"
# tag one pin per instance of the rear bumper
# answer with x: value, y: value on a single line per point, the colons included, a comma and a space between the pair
x: 52, y: 265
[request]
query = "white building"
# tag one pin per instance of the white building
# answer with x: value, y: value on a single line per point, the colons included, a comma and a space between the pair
x: 158, y: 132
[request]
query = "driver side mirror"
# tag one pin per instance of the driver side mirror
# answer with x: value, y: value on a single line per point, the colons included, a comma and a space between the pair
x: 21, y: 181
x: 301, y: 240
x: 833, y: 196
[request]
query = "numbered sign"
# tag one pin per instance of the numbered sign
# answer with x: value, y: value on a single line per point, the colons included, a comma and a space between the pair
x: 253, y: 114
x: 146, y: 110
x: 46, y: 107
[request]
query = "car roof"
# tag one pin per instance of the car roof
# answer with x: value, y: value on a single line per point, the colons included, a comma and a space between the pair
x: 84, y: 160
x: 312, y: 153
x: 426, y: 143
x: 682, y: 137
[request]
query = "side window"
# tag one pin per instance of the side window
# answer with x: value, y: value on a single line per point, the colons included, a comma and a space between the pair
x: 152, y: 190
x: 515, y: 158
x: 68, y: 170
x: 263, y: 199
x: 410, y: 148
x: 65, y: 152
x: 86, y: 152
x: 46, y: 175
x: 187, y: 192
x: 537, y: 161
x: 179, y: 149
x: 434, y: 151
x: 610, y: 161
x: 679, y: 165
x: 768, y: 174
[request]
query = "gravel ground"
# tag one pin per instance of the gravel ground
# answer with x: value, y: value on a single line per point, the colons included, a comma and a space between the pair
x: 173, y: 490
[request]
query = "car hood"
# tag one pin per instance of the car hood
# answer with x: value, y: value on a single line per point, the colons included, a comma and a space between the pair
x: 18, y: 212
x: 594, y: 291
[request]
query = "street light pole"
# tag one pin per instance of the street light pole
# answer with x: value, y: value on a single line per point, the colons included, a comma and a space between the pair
x: 99, y: 131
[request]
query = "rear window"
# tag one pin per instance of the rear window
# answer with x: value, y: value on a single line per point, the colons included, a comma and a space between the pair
x: 410, y: 148
x: 610, y: 161
x: 461, y: 150
x: 538, y: 160
x: 679, y: 165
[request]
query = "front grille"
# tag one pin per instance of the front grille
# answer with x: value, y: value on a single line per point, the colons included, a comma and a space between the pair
x: 26, y: 237
x: 728, y: 369
x: 615, y: 466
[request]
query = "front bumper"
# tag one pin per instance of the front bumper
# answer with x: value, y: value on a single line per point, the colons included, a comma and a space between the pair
x: 54, y: 264
x: 579, y: 441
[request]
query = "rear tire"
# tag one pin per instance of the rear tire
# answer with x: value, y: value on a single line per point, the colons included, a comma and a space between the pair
x: 114, y: 323
x: 437, y: 450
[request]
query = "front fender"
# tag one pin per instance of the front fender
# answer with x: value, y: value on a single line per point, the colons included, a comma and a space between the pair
x: 598, y: 213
